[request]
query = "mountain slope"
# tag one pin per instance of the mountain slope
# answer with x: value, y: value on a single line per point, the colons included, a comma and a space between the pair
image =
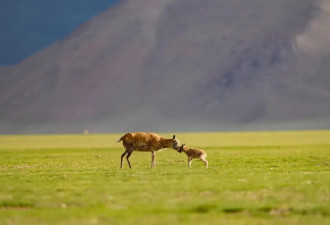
x: 176, y: 65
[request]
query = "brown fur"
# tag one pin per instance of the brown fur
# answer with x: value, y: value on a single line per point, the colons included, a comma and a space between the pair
x: 145, y: 142
x: 193, y: 154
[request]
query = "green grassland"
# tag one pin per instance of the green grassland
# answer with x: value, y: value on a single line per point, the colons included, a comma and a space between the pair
x: 253, y: 178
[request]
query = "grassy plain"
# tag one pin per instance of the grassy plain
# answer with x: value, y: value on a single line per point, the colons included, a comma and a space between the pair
x: 253, y: 178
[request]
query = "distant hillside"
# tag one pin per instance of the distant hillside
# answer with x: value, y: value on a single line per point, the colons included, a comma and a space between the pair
x: 178, y: 65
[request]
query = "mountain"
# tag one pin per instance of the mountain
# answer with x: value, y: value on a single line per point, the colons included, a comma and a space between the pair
x: 185, y: 65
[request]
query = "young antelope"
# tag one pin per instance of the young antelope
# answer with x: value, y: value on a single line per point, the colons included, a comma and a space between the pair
x: 193, y: 154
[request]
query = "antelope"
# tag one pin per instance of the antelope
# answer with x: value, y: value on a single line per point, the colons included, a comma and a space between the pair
x: 193, y: 154
x: 145, y: 142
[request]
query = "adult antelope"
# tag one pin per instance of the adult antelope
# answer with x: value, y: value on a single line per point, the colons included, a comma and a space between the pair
x: 145, y: 142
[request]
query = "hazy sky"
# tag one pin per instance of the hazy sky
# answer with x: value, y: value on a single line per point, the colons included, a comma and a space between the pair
x: 27, y: 26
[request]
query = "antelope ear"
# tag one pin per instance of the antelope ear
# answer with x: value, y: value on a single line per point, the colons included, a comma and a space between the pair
x: 173, y: 136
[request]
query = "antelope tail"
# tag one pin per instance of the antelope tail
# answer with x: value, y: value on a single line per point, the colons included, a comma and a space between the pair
x: 118, y: 140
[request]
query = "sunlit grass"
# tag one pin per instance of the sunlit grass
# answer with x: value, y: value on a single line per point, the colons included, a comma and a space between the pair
x: 253, y: 178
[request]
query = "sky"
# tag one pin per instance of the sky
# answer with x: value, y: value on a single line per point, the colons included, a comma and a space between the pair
x: 28, y: 26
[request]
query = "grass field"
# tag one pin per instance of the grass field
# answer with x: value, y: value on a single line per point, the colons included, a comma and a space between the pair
x: 253, y: 178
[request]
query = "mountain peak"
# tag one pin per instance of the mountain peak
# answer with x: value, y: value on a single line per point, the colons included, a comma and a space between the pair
x: 174, y: 65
